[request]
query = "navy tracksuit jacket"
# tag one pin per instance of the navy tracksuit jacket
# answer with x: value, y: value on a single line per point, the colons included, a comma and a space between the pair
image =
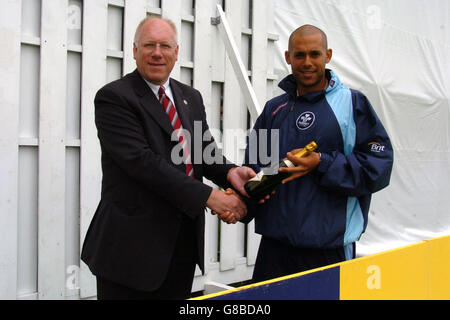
x: 327, y: 208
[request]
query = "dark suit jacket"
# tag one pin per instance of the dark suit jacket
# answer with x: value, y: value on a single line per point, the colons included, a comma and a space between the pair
x: 145, y: 196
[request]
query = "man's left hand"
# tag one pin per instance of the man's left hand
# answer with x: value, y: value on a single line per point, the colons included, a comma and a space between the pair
x: 303, y: 165
x: 238, y: 176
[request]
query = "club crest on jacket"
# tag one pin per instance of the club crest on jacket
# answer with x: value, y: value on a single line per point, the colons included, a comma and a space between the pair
x: 305, y: 120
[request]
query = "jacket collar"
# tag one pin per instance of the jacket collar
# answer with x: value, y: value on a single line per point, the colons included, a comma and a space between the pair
x: 154, y: 108
x: 289, y: 85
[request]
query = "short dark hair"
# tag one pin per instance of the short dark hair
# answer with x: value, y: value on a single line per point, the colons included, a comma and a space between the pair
x: 308, y: 29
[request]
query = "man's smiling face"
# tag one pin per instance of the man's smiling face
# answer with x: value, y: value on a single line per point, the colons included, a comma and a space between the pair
x: 308, y: 56
x: 155, y: 51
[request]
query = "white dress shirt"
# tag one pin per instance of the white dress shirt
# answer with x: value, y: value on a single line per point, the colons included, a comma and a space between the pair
x: 166, y: 86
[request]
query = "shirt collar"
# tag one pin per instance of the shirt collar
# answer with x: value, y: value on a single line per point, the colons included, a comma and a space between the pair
x: 155, y: 87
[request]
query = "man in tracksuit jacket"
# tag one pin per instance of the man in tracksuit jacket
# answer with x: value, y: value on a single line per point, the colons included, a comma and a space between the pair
x: 315, y: 217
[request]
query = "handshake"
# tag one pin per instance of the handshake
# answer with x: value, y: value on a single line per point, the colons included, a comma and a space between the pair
x: 236, y: 212
x: 228, y: 205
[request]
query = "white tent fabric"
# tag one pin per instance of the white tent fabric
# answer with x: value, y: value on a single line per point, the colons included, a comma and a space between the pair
x: 398, y: 54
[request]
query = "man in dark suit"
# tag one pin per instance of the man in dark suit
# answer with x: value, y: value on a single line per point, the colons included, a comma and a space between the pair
x: 147, y: 234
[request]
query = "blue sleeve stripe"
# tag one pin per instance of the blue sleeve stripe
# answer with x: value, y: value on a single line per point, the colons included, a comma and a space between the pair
x: 340, y: 101
x: 355, y: 221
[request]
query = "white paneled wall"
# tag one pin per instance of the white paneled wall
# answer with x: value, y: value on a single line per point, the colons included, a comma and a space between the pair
x: 55, y: 55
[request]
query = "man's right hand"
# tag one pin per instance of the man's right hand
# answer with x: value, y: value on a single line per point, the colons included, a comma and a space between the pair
x: 228, y: 205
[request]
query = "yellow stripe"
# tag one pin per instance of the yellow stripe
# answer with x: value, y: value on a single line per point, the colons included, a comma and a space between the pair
x: 416, y: 271
x: 439, y: 275
x: 398, y: 274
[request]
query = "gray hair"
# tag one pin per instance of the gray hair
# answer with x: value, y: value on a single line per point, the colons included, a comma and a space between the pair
x: 137, y: 34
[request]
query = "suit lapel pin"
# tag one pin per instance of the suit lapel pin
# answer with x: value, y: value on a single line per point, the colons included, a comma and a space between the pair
x: 185, y: 102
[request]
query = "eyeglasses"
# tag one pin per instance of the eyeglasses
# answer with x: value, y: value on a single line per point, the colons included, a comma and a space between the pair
x: 163, y: 46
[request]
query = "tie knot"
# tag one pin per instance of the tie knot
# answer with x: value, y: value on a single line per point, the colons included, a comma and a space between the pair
x: 161, y: 91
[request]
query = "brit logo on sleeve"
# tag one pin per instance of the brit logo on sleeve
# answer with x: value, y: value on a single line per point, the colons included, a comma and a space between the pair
x: 305, y: 120
x: 376, y: 147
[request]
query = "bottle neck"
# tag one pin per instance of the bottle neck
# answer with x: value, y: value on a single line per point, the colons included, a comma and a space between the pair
x: 288, y: 163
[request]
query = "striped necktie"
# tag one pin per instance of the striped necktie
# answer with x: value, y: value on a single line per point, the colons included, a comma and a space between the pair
x: 176, y: 124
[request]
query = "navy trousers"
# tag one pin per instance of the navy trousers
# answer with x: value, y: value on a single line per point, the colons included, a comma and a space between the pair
x: 276, y: 259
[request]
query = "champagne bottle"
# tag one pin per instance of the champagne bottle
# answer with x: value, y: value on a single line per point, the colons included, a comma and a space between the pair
x: 268, y: 179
